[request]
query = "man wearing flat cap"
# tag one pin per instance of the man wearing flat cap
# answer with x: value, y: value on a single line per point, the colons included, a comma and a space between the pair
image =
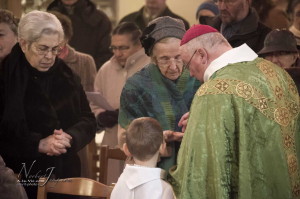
x: 280, y: 47
x: 242, y: 136
x: 163, y: 89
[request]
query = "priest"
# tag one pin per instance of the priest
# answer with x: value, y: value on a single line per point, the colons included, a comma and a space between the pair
x: 242, y: 135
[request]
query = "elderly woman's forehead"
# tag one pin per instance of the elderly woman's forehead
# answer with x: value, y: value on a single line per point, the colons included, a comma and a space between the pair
x: 48, y: 38
x: 168, y: 43
x: 168, y: 48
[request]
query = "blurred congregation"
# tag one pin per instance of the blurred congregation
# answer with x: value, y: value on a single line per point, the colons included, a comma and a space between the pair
x: 191, y: 99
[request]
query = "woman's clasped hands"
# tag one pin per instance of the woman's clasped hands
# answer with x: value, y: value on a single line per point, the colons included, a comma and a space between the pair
x: 55, y: 144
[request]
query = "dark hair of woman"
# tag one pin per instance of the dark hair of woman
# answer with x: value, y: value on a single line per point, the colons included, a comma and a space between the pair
x: 263, y: 7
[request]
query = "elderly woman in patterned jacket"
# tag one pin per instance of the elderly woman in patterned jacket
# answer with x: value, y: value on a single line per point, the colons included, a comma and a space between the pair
x: 163, y: 89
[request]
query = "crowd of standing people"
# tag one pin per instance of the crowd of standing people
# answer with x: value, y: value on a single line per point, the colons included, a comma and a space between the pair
x: 201, y: 111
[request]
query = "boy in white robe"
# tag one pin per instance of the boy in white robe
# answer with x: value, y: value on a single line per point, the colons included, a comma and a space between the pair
x: 144, y: 139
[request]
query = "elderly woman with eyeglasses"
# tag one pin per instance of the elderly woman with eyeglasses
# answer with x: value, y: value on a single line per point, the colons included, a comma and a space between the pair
x: 45, y: 117
x: 162, y: 90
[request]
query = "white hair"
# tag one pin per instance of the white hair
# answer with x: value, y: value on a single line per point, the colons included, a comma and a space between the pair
x: 36, y: 23
x: 209, y: 42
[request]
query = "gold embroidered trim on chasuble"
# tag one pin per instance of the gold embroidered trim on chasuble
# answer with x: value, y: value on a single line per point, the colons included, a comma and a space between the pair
x: 275, y: 109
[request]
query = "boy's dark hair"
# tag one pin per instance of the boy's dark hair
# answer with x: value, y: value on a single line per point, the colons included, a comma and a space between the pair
x: 66, y: 23
x: 144, y: 137
x: 8, y: 17
x: 128, y: 28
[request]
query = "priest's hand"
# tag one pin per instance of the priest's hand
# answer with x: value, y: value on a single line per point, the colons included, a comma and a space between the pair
x: 183, y: 121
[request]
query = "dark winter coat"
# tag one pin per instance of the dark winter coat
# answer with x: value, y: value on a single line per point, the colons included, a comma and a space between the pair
x: 137, y: 18
x: 91, y: 29
x: 252, y: 32
x: 295, y: 74
x: 10, y: 188
x: 32, y: 105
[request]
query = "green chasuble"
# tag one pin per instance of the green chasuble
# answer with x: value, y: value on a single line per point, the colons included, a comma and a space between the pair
x: 149, y: 94
x: 242, y: 139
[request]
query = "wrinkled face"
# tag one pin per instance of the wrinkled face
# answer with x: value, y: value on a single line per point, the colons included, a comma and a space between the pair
x: 167, y: 57
x: 196, y: 62
x: 123, y: 47
x: 233, y: 10
x: 7, y: 40
x: 41, y: 53
x: 296, y: 16
x: 282, y: 59
x: 69, y: 2
x: 154, y: 5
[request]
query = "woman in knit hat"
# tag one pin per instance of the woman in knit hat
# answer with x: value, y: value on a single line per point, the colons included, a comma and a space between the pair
x: 162, y: 90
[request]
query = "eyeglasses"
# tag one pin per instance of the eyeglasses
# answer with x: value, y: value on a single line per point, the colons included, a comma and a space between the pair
x: 187, y: 66
x: 226, y: 2
x: 120, y: 48
x: 44, y: 50
x: 167, y: 61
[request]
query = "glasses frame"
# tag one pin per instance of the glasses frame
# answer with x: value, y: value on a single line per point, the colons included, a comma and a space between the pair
x: 168, y: 62
x: 187, y: 66
x: 54, y: 50
x: 120, y: 48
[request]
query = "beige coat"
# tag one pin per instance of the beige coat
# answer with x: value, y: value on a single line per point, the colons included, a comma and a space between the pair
x: 109, y: 82
x: 84, y: 66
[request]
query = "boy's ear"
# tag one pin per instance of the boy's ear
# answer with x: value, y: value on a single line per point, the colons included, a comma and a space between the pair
x: 126, y: 151
x: 162, y: 147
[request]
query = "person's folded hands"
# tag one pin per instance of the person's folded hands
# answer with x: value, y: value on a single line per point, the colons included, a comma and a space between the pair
x: 63, y: 138
x: 55, y: 144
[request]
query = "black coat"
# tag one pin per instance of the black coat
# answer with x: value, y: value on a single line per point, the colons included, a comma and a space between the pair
x: 252, y: 32
x: 9, y: 187
x: 91, y: 29
x: 137, y: 18
x: 294, y: 72
x: 32, y: 105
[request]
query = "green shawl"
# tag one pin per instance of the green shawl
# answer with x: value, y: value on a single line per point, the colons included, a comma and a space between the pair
x: 150, y: 94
